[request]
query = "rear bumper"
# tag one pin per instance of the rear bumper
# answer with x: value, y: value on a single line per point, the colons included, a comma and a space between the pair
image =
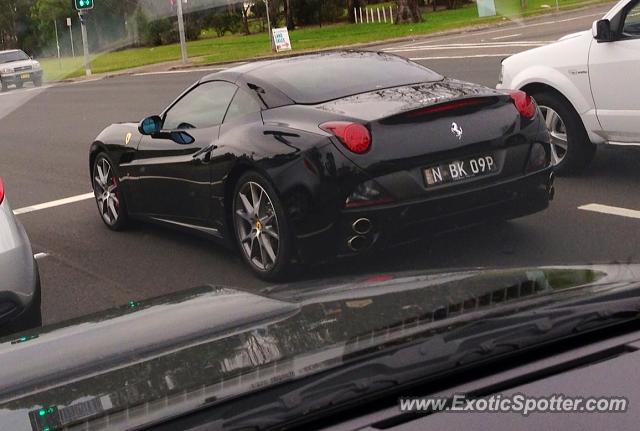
x: 395, y: 224
x: 17, y: 315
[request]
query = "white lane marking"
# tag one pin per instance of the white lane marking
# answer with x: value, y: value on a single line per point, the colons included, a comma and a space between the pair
x: 53, y: 204
x: 39, y: 256
x: 507, y: 36
x: 25, y: 90
x: 476, y: 46
x: 516, y: 24
x: 606, y: 209
x: 454, y: 57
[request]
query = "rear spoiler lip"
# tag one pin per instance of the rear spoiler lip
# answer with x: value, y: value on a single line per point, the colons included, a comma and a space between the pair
x: 375, y: 107
x: 446, y: 107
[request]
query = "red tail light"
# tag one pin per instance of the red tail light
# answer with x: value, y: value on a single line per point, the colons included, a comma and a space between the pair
x: 1, y: 190
x: 354, y: 136
x: 525, y: 105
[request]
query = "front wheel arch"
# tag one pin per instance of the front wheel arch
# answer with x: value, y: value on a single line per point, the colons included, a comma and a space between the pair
x: 580, y: 150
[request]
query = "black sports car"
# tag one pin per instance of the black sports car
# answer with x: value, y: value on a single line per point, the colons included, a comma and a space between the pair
x: 313, y: 157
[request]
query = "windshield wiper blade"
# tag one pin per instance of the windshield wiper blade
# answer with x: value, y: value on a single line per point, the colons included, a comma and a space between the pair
x: 442, y: 353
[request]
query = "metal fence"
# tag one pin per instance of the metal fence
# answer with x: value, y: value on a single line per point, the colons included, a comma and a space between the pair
x: 372, y: 15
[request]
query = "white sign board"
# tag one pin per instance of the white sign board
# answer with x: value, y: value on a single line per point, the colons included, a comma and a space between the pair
x: 68, y: 22
x: 281, y: 39
x: 486, y: 8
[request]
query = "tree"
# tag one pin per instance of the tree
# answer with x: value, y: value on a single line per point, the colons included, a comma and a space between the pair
x: 245, y: 17
x: 16, y: 29
x: 408, y: 12
x: 288, y: 11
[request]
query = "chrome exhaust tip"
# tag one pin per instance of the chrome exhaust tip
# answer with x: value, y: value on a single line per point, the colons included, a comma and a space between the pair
x: 357, y: 243
x: 362, y: 226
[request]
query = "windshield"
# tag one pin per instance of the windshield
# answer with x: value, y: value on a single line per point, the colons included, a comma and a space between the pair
x: 9, y: 57
x: 213, y: 204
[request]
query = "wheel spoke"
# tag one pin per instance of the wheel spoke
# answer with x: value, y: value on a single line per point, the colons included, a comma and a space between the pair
x: 266, y: 219
x: 263, y: 256
x: 114, y: 198
x: 102, y: 180
x: 550, y: 118
x: 247, y: 205
x: 244, y: 216
x: 112, y: 208
x: 256, y: 197
x: 98, y: 182
x: 266, y: 243
x: 554, y: 156
x: 559, y: 140
x: 269, y: 231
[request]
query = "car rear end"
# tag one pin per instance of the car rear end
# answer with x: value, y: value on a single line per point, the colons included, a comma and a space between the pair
x: 439, y: 156
x: 20, y: 295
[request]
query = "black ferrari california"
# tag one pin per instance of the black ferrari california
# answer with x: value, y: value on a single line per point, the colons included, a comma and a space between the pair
x: 314, y: 157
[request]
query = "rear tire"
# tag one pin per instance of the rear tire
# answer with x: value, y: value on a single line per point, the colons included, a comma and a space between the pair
x: 108, y: 193
x: 4, y: 87
x: 262, y: 232
x: 572, y: 150
x: 37, y: 82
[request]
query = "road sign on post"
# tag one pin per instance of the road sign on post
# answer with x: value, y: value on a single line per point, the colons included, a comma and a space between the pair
x: 73, y: 50
x: 82, y: 5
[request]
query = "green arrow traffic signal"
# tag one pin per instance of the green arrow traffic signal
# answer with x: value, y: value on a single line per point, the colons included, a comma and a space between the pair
x: 83, y: 4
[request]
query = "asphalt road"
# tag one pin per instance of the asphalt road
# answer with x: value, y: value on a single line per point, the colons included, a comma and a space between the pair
x: 45, y: 134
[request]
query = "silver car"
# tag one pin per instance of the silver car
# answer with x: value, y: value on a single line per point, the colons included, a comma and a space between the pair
x: 16, y: 68
x: 19, y: 277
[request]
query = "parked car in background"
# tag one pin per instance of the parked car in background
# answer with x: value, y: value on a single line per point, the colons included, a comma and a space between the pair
x: 16, y: 68
x: 585, y: 85
x: 19, y: 277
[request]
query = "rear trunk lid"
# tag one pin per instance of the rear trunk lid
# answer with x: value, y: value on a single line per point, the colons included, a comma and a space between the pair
x: 419, y: 124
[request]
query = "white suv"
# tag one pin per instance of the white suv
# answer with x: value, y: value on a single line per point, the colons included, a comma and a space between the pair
x: 587, y: 86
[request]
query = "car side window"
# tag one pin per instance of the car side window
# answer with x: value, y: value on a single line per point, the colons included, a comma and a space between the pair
x: 243, y: 103
x: 631, y: 25
x: 202, y: 107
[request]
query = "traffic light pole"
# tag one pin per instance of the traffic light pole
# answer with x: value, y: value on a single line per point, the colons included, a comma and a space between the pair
x: 85, y: 44
x: 183, y: 42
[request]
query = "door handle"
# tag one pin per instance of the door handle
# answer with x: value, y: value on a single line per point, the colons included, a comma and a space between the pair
x: 204, y: 154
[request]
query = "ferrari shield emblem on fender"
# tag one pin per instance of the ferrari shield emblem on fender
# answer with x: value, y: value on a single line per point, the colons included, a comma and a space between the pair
x: 127, y: 138
x: 456, y: 130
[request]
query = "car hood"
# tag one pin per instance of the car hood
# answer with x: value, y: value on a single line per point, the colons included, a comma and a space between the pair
x: 165, y: 356
x: 576, y: 34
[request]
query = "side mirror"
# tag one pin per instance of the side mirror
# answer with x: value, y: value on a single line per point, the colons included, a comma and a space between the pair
x: 601, y: 30
x: 150, y: 125
x: 182, y: 138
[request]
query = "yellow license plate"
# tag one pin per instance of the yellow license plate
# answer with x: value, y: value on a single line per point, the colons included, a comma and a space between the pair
x: 25, y: 76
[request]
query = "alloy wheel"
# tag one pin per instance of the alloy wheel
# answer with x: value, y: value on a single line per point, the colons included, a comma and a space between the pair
x: 558, y: 132
x: 257, y: 226
x: 105, y: 189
